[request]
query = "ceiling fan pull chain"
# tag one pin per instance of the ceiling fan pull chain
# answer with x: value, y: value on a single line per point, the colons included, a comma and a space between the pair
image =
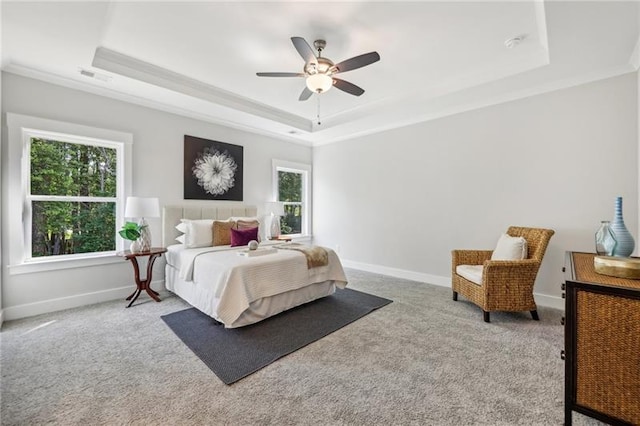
x: 318, y: 114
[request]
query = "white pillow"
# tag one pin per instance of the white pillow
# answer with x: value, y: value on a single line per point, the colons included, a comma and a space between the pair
x: 181, y: 239
x: 182, y: 227
x: 198, y: 233
x: 510, y: 248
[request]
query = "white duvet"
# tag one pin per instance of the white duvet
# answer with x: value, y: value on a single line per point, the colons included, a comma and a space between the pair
x: 237, y: 281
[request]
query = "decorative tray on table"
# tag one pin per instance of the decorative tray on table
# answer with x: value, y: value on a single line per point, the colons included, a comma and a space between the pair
x: 620, y: 267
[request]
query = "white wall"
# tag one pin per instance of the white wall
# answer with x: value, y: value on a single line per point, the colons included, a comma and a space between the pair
x: 401, y: 200
x: 397, y: 201
x: 157, y: 171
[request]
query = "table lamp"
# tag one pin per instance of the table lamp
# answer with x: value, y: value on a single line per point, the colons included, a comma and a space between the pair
x: 276, y: 209
x: 143, y: 207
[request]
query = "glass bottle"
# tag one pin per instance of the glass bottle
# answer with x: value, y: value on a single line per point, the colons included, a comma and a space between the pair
x: 605, y: 239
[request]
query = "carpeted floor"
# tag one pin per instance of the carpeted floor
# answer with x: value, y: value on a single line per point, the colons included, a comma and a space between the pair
x: 422, y: 360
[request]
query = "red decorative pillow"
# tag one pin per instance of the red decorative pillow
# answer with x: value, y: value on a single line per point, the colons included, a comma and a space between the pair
x: 241, y: 237
x: 244, y: 224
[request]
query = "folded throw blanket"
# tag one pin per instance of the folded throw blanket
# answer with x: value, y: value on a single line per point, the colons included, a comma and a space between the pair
x: 316, y: 256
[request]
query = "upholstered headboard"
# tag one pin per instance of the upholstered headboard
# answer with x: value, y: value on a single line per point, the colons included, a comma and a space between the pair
x: 171, y: 216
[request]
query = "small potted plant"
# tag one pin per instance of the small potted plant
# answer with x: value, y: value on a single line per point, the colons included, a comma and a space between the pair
x: 131, y: 231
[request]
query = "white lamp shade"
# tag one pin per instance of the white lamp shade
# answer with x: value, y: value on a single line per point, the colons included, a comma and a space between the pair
x: 276, y: 208
x: 319, y: 83
x: 142, y: 207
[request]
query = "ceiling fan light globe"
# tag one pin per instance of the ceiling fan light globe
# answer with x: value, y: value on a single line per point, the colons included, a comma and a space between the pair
x: 319, y: 83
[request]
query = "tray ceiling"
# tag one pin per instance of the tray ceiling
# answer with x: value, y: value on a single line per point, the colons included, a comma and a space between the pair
x: 200, y: 59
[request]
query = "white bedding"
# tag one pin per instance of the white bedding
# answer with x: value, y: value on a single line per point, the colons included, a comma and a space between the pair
x: 183, y: 259
x: 226, y: 285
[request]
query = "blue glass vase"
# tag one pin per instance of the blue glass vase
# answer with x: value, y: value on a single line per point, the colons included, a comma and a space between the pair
x: 625, y: 243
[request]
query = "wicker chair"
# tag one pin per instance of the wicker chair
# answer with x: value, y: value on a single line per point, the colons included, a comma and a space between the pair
x: 507, y: 285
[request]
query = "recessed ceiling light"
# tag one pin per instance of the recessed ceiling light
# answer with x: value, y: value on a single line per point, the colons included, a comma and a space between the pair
x: 92, y: 74
x: 514, y: 41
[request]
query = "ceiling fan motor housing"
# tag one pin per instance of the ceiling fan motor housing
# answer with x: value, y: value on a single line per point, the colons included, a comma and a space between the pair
x: 322, y: 66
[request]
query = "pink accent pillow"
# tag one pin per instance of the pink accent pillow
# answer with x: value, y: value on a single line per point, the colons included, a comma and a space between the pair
x: 241, y: 237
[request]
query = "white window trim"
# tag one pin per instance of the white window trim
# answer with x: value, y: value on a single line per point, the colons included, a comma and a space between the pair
x: 305, y: 169
x: 16, y: 166
x: 28, y: 135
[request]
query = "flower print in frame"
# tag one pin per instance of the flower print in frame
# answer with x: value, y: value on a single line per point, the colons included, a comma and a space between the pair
x: 212, y: 170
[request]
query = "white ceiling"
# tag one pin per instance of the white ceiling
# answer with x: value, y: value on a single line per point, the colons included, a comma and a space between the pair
x: 437, y: 58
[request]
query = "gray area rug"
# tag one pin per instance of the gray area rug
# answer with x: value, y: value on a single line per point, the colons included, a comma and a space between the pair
x: 233, y: 354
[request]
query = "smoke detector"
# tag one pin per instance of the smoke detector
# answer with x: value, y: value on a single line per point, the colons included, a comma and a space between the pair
x: 514, y: 41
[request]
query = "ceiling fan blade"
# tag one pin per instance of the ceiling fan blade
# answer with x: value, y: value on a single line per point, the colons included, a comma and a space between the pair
x: 280, y: 74
x: 350, y: 88
x: 304, y: 49
x: 306, y: 94
x: 357, y: 62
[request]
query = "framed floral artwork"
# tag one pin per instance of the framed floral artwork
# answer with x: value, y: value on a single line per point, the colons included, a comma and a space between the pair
x: 212, y: 170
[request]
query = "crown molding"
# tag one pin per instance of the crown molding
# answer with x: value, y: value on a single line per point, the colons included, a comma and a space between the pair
x: 369, y: 119
x: 541, y: 23
x: 136, y: 69
x: 108, y: 92
x: 483, y: 103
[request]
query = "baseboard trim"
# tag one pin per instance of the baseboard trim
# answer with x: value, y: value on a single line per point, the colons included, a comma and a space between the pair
x: 541, y: 299
x: 549, y: 301
x: 399, y: 273
x: 77, y: 300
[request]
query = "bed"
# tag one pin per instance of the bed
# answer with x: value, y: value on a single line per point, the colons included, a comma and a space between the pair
x: 239, y: 290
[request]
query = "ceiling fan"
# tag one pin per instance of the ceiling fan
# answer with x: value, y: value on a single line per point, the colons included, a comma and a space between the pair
x: 319, y: 71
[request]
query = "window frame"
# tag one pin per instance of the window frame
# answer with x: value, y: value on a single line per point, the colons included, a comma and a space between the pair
x: 22, y: 129
x: 28, y: 136
x: 305, y: 171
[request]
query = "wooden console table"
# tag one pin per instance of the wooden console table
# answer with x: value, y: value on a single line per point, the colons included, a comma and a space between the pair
x: 143, y: 284
x: 602, y: 343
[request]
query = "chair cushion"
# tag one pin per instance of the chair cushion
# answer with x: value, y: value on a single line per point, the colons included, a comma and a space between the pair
x: 472, y: 273
x: 510, y: 248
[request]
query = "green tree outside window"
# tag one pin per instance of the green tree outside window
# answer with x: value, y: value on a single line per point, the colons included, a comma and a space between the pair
x: 290, y: 193
x: 60, y: 173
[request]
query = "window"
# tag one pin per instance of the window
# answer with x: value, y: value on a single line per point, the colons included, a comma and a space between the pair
x: 292, y: 188
x: 73, y: 181
x: 72, y: 195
